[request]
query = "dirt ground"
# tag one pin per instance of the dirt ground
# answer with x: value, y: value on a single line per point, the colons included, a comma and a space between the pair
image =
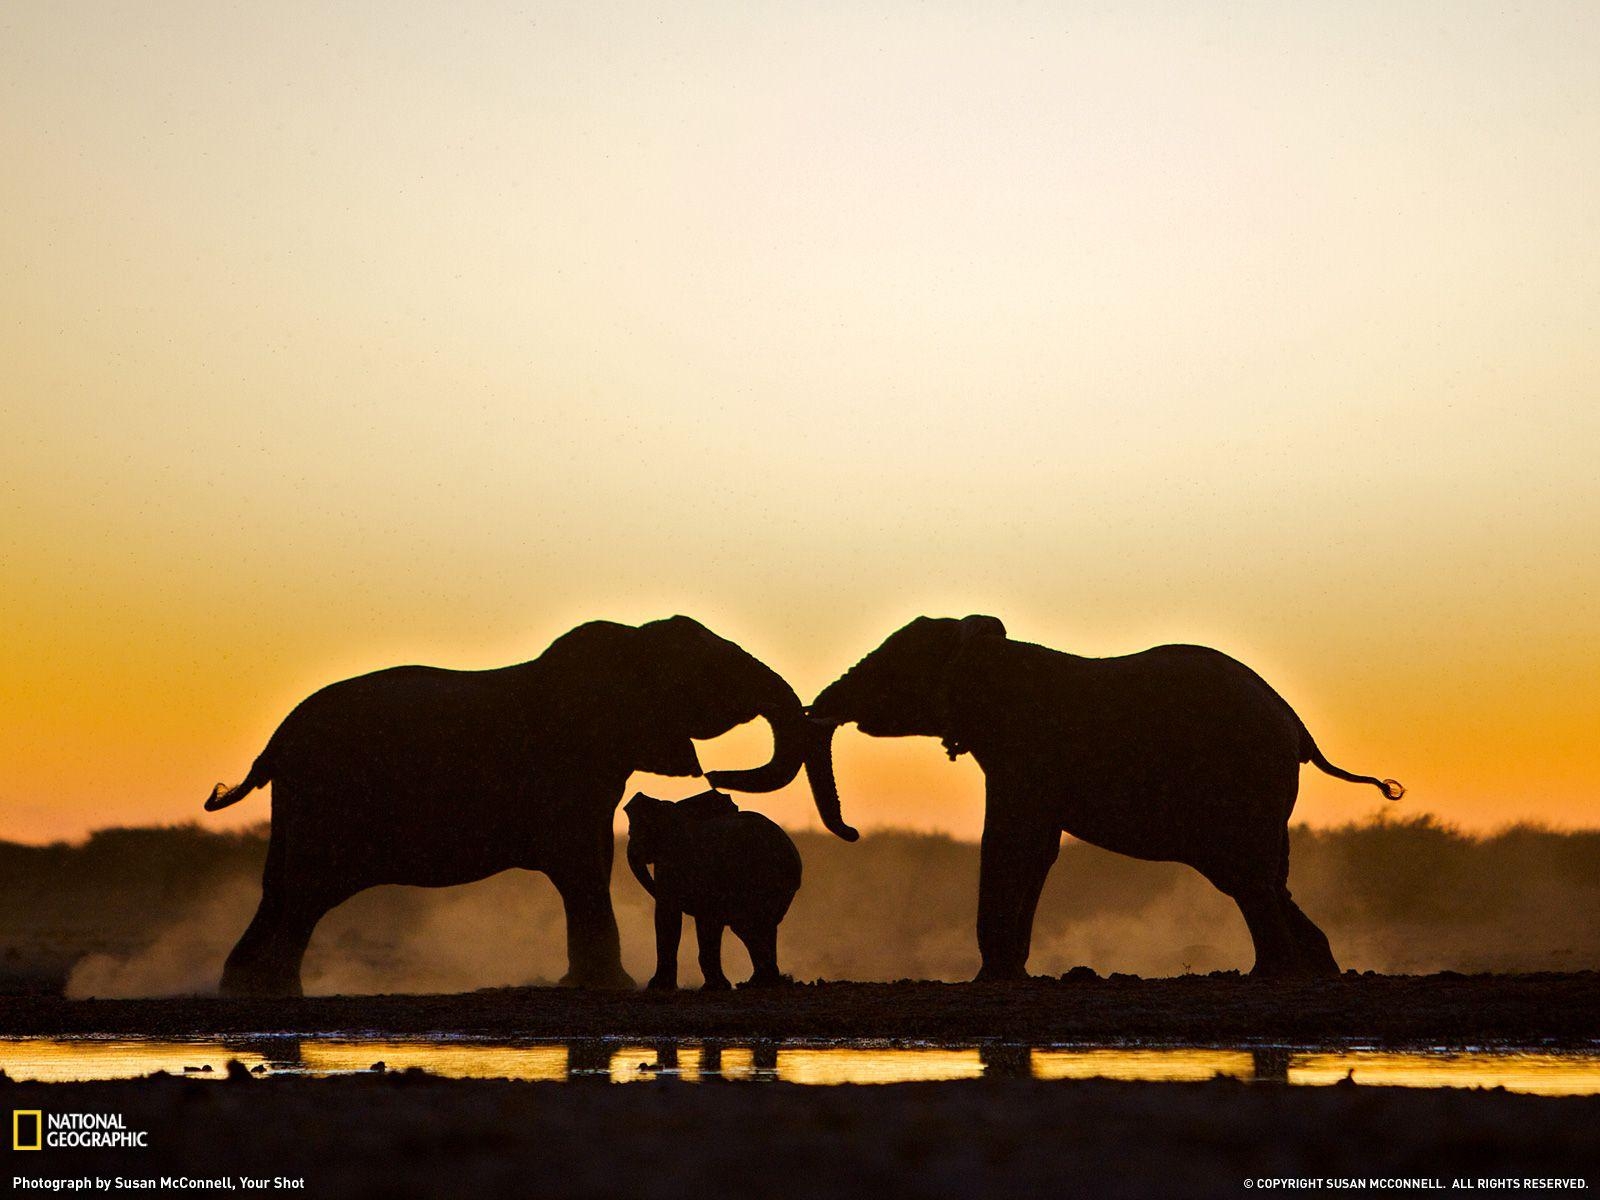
x: 1561, y: 1010
x: 414, y: 1135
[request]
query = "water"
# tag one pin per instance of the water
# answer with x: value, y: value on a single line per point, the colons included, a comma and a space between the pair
x: 1547, y: 1073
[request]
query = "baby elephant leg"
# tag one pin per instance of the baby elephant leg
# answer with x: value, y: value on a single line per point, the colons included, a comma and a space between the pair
x: 762, y: 942
x: 709, y: 935
x: 669, y: 931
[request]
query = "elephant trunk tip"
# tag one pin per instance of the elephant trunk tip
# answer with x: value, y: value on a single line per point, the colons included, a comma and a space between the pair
x: 1393, y: 789
x: 848, y: 833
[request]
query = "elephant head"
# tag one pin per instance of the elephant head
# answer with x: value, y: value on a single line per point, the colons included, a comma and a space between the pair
x: 684, y: 683
x: 899, y: 690
x: 658, y: 828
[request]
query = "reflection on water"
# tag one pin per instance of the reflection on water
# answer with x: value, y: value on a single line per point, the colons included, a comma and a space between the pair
x: 1540, y: 1074
x: 597, y: 1060
x: 827, y: 1065
x: 453, y: 1059
x: 1165, y: 1066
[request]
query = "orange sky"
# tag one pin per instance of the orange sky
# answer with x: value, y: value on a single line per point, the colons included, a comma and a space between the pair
x: 332, y: 339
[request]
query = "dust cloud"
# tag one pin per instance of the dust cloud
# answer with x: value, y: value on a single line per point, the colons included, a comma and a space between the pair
x: 149, y: 912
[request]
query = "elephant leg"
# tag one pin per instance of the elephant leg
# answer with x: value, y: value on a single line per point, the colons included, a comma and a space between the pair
x: 1314, y: 954
x: 709, y: 935
x: 762, y: 943
x: 266, y: 961
x: 1263, y: 907
x: 594, y: 949
x: 583, y: 878
x: 669, y: 932
x: 1016, y: 856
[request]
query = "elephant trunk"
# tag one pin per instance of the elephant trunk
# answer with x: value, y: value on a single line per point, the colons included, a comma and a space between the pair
x: 819, y: 773
x: 797, y: 740
x: 842, y: 701
x: 829, y: 705
x: 640, y: 868
x: 782, y: 710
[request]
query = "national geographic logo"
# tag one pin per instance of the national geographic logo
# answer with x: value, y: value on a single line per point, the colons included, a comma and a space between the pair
x: 27, y: 1129
x: 32, y: 1129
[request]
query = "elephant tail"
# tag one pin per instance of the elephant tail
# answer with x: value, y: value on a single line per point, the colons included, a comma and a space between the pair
x: 1391, y: 788
x: 222, y: 795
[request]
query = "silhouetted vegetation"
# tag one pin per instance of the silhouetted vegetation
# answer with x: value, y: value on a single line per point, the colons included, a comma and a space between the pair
x: 154, y: 911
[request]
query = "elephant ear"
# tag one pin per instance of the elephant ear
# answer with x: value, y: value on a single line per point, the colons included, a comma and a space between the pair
x: 707, y: 805
x: 662, y: 750
x: 972, y: 631
x: 659, y: 729
x: 642, y: 808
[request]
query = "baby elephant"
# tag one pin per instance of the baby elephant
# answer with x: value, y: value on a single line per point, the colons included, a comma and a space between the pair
x: 721, y: 866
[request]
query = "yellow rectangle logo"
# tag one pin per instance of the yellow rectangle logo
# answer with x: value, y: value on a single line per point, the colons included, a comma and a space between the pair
x: 21, y: 1121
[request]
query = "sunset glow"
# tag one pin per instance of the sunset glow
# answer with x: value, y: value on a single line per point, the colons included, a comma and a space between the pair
x: 333, y: 338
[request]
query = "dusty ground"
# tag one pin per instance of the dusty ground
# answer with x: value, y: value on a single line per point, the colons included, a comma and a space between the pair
x: 413, y: 1135
x: 1443, y: 1010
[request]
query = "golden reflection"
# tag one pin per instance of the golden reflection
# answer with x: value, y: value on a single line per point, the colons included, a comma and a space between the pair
x: 731, y: 1062
x: 631, y: 1064
x: 59, y: 1060
x: 1163, y: 1066
x: 44, y: 1060
x: 454, y: 1060
x: 838, y: 1064
x: 1535, y: 1074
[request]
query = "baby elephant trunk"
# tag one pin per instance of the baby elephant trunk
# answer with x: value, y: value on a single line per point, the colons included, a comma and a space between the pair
x: 640, y: 868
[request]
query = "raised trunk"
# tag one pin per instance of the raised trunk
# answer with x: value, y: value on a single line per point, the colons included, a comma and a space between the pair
x: 782, y: 711
x: 796, y: 740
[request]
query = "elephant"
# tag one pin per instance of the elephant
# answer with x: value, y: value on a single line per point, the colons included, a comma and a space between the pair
x: 1177, y: 753
x: 725, y: 868
x: 433, y: 777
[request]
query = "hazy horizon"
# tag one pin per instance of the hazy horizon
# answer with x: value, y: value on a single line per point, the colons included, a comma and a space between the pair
x: 335, y: 337
x: 153, y: 912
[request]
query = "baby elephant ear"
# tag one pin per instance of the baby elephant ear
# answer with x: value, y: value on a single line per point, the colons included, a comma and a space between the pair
x: 979, y: 625
x: 646, y: 812
x: 707, y: 805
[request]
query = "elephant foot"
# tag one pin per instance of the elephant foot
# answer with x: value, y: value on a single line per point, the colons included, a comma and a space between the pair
x: 1317, y: 963
x: 1294, y: 970
x: 240, y: 983
x: 988, y: 974
x: 609, y: 979
x: 1319, y: 969
x: 661, y: 983
x: 768, y: 979
x: 718, y: 984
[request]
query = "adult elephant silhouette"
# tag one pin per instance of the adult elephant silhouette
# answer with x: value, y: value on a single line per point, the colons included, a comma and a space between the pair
x: 420, y: 775
x: 1178, y: 753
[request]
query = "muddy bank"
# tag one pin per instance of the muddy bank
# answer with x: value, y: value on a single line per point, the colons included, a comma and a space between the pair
x: 422, y: 1136
x: 1433, y: 1010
